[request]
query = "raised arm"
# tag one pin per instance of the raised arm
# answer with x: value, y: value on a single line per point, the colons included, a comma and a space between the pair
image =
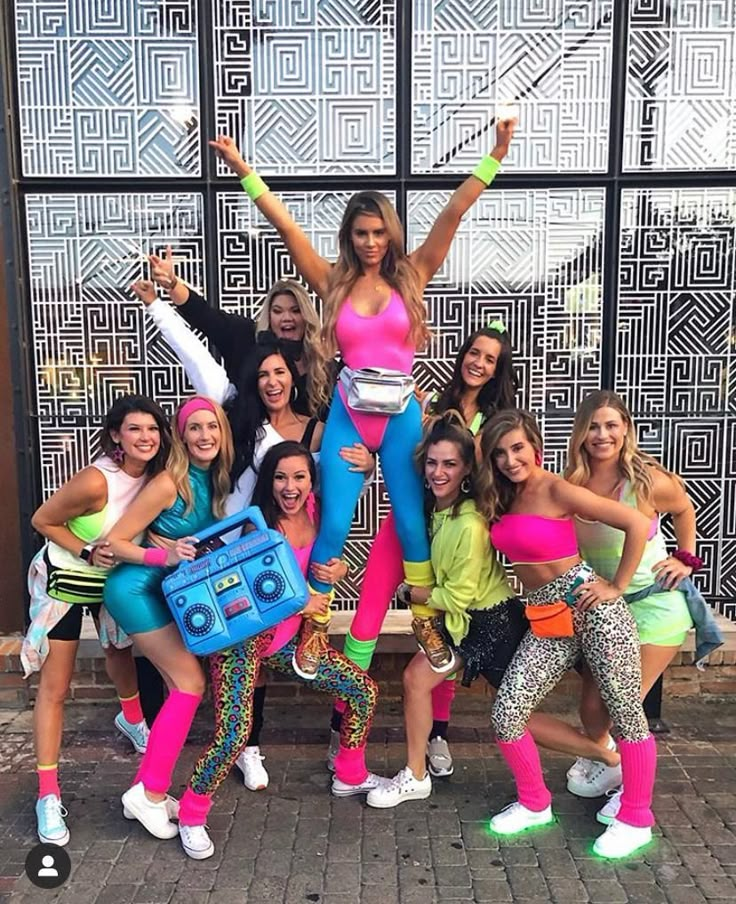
x: 232, y: 334
x: 430, y: 255
x: 579, y: 501
x: 207, y: 376
x: 312, y: 266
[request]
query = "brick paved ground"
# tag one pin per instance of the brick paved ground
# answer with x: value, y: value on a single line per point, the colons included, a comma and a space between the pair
x: 294, y: 844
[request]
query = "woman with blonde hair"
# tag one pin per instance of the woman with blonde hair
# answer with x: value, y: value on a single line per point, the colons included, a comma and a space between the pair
x: 188, y: 496
x: 287, y: 312
x: 374, y: 315
x: 604, y: 457
x: 571, y: 611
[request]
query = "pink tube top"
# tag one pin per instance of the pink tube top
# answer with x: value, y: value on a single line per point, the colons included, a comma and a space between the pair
x: 532, y: 539
x: 381, y: 340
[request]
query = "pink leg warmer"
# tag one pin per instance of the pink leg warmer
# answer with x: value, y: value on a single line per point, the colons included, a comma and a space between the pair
x: 522, y: 758
x: 638, y: 766
x: 193, y: 808
x: 350, y: 765
x: 48, y: 782
x: 168, y: 734
x: 384, y: 571
x: 442, y: 697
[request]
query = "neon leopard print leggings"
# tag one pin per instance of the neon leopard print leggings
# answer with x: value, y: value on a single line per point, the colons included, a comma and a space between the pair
x: 233, y: 674
x: 608, y: 639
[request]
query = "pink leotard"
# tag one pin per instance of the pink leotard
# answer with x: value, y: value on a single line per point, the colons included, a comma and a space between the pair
x: 378, y: 340
x: 290, y: 627
x: 532, y: 539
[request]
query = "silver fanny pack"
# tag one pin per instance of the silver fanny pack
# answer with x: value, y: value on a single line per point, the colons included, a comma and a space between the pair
x: 377, y: 390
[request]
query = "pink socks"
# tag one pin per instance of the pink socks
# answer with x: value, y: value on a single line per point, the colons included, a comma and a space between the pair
x: 168, y: 734
x: 442, y: 697
x: 194, y: 808
x: 522, y: 758
x: 350, y: 765
x: 48, y: 781
x: 131, y: 707
x: 638, y: 766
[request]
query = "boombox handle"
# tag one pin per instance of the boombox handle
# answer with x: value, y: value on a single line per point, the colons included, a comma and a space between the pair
x: 252, y: 514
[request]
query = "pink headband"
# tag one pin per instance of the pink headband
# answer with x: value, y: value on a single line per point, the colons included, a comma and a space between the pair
x: 197, y: 403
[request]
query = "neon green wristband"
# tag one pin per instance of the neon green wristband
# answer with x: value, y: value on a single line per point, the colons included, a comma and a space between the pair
x: 253, y: 186
x: 487, y: 169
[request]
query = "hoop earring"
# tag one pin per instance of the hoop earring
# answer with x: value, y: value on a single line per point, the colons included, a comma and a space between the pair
x: 117, y: 454
x: 426, y: 484
x: 294, y: 393
x: 538, y: 459
x: 465, y: 485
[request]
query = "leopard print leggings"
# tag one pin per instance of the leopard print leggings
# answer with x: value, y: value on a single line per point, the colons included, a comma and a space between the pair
x: 605, y: 635
x: 233, y: 674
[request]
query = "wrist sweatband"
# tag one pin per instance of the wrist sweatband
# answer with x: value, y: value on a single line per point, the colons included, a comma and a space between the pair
x: 155, y: 556
x: 487, y: 169
x: 688, y: 558
x: 253, y: 186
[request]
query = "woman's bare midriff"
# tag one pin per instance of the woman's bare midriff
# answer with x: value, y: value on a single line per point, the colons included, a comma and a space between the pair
x: 540, y: 573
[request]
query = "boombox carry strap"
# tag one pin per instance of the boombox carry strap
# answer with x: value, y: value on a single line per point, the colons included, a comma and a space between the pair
x: 252, y: 514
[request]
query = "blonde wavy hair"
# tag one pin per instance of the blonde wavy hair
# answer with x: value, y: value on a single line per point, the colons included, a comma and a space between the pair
x: 495, y: 492
x: 315, y: 360
x: 396, y: 269
x: 634, y: 465
x: 178, y: 463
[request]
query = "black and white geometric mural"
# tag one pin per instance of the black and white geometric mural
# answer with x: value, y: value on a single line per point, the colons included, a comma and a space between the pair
x: 308, y: 88
x: 313, y: 91
x: 552, y: 60
x: 676, y: 351
x: 680, y: 92
x: 108, y: 89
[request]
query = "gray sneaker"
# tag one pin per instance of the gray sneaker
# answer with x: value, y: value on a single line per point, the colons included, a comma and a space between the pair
x: 439, y: 758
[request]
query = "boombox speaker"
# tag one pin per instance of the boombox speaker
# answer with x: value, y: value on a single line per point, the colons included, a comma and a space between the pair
x: 237, y: 591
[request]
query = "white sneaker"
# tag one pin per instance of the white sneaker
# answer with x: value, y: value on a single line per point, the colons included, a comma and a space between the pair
x: 598, y: 781
x: 333, y: 749
x: 439, y: 757
x: 136, y: 732
x: 403, y: 786
x: 580, y: 768
x: 516, y: 817
x: 609, y: 811
x: 343, y: 789
x: 583, y: 765
x: 620, y: 840
x: 196, y: 842
x: 155, y: 817
x: 250, y: 763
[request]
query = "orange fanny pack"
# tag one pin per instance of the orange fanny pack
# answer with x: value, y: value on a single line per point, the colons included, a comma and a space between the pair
x: 552, y: 620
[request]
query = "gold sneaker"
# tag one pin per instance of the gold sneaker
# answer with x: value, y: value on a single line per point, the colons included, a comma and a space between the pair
x: 313, y: 642
x: 430, y: 636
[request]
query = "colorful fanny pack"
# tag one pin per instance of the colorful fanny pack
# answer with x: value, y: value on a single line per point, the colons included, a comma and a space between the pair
x: 68, y: 586
x: 377, y: 390
x: 550, y: 620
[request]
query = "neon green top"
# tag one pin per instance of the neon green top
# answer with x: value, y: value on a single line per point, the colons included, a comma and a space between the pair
x: 468, y: 574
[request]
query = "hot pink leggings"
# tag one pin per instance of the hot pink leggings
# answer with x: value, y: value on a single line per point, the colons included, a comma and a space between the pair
x: 383, y: 573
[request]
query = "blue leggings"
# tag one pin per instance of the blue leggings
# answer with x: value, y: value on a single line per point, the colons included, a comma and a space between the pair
x: 340, y: 487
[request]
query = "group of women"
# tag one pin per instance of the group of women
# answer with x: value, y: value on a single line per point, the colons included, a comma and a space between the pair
x: 278, y: 424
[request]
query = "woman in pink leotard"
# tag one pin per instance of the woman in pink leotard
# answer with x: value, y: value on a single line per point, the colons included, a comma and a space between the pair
x: 374, y: 315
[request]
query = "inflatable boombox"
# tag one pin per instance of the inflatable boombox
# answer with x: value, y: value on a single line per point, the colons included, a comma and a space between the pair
x: 237, y: 591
